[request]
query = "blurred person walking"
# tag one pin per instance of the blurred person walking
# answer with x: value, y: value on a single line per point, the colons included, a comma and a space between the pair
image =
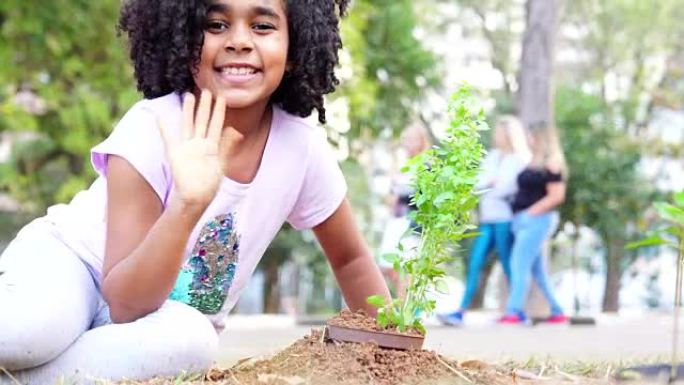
x: 541, y: 189
x: 498, y: 180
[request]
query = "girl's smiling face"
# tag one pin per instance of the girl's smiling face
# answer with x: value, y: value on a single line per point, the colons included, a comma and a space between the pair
x: 244, y: 55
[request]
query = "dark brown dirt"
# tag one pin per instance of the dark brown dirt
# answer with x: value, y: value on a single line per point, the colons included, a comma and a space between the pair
x: 360, y: 320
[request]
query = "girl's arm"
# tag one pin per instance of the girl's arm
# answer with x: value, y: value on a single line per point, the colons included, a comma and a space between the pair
x: 351, y: 261
x: 144, y: 247
x: 555, y: 195
x: 486, y: 176
x: 506, y: 180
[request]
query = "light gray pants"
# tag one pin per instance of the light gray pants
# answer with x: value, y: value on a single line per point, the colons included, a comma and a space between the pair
x: 54, y: 323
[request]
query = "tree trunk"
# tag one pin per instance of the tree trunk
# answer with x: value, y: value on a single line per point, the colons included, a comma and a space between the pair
x: 271, y: 285
x: 614, y: 253
x: 535, y: 96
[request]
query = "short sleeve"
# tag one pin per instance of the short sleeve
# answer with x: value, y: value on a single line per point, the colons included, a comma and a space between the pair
x: 554, y: 177
x: 323, y: 188
x: 136, y: 138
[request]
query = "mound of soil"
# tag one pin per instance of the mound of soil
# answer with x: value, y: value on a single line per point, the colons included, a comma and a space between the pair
x: 315, y: 360
x: 360, y: 320
x: 312, y: 360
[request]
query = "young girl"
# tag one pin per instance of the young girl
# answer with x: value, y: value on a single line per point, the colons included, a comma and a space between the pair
x: 541, y: 188
x: 498, y: 177
x: 134, y: 277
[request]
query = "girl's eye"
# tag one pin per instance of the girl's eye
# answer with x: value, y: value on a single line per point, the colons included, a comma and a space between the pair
x: 216, y: 26
x: 263, y: 27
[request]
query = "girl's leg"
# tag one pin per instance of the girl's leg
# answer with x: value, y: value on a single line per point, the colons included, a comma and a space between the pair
x: 47, y: 299
x: 503, y: 239
x: 541, y: 276
x: 529, y: 234
x: 478, y: 256
x: 539, y: 269
x: 175, y: 339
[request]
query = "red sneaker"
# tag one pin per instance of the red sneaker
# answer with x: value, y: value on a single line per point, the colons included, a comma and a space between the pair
x: 558, y: 319
x: 511, y: 319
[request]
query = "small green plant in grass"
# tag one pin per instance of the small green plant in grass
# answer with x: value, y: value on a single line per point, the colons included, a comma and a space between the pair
x: 443, y: 178
x: 672, y: 235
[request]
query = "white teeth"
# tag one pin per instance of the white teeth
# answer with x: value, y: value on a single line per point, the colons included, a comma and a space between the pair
x: 238, y: 70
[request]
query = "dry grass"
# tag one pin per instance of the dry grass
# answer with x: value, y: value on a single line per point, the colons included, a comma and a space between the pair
x: 533, y: 371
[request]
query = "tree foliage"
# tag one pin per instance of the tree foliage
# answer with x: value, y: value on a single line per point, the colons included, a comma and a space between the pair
x: 391, y: 68
x: 605, y: 190
x: 603, y: 165
x: 68, y: 56
x: 626, y: 45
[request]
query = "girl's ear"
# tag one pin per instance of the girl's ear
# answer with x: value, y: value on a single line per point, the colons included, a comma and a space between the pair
x: 288, y: 66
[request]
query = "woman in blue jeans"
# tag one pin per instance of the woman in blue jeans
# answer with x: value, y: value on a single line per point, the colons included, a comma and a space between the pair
x: 498, y: 181
x: 541, y: 188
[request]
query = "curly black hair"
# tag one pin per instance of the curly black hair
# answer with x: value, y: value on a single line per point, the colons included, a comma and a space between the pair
x: 166, y: 38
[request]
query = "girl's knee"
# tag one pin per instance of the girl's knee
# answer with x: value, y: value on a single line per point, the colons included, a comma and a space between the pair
x: 200, y: 349
x: 199, y: 343
x: 20, y: 350
x: 32, y: 338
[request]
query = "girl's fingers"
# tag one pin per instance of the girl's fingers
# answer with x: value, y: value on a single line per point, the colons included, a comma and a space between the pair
x: 217, y: 117
x: 202, y: 117
x: 188, y: 115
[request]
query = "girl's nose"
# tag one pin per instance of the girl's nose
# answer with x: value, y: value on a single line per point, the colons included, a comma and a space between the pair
x: 239, y: 39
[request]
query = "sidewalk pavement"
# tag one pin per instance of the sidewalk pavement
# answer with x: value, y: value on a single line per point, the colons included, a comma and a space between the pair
x: 645, y: 336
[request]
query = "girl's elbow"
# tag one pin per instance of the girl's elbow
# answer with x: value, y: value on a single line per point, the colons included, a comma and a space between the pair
x: 561, y: 197
x: 121, y: 311
x: 557, y: 197
x: 121, y: 315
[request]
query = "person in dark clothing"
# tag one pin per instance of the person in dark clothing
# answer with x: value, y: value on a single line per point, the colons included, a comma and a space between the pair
x: 541, y: 189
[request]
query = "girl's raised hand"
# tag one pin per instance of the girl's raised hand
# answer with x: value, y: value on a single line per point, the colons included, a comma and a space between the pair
x: 197, y: 157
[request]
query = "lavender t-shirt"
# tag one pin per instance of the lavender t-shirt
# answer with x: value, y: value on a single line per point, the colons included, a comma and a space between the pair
x: 298, y: 181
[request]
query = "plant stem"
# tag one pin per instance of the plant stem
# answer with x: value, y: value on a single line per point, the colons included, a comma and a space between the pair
x: 678, y: 305
x: 411, y: 292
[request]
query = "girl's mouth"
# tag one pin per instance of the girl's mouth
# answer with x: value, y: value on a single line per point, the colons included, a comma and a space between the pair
x: 237, y: 74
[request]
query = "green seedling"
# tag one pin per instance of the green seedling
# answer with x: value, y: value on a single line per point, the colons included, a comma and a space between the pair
x: 443, y: 177
x: 673, y: 236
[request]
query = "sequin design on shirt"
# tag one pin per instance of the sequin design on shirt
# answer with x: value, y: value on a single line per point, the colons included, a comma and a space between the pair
x: 204, y: 281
